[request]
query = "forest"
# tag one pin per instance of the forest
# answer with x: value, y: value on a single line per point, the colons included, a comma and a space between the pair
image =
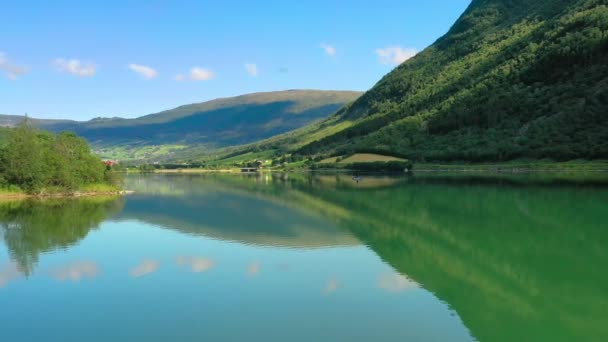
x: 37, y: 162
x: 511, y: 80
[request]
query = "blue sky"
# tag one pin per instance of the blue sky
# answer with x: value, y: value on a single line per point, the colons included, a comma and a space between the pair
x: 83, y: 59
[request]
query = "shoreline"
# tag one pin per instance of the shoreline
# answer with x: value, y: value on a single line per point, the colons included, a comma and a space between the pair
x: 515, y: 167
x: 77, y: 194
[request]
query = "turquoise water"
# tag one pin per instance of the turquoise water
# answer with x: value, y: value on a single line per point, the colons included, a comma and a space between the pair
x: 309, y: 258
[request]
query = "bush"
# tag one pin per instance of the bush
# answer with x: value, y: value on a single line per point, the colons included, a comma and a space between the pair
x: 38, y: 160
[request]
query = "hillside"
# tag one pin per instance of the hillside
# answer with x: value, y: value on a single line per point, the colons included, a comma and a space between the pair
x: 511, y: 79
x: 208, y: 125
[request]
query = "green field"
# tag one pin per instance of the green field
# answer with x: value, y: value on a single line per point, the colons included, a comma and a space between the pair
x: 361, y: 158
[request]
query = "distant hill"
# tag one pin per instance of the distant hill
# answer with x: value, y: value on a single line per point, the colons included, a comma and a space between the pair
x: 217, y: 123
x: 511, y: 79
x: 14, y: 120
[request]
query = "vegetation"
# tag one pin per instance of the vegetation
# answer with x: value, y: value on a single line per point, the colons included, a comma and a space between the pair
x: 31, y: 227
x: 370, y: 166
x: 187, y: 130
x: 360, y: 158
x: 38, y: 161
x: 511, y: 79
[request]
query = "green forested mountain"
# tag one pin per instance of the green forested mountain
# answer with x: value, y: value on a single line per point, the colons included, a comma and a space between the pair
x: 511, y: 79
x: 217, y: 123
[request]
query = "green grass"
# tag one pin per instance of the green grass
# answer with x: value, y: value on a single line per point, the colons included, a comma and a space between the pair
x: 295, y: 165
x: 126, y: 152
x: 99, y: 188
x: 13, y: 191
x: 518, y: 165
x: 362, y: 158
x: 240, y: 159
x: 10, y: 190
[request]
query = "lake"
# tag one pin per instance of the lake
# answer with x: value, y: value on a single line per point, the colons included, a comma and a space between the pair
x: 295, y: 257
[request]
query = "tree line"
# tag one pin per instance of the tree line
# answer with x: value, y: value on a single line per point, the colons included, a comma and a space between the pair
x: 37, y: 161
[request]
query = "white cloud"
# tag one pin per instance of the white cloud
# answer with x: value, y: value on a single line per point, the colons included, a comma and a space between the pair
x: 75, y: 67
x: 146, y: 267
x: 145, y: 71
x: 12, y: 71
x: 196, y: 74
x: 329, y: 50
x: 395, y: 54
x: 200, y: 74
x: 251, y: 69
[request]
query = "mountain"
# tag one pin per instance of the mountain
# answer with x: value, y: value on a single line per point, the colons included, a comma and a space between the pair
x: 511, y: 79
x: 8, y: 121
x: 217, y: 123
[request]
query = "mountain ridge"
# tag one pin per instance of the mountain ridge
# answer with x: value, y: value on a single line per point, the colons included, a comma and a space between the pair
x: 217, y: 123
x: 511, y: 79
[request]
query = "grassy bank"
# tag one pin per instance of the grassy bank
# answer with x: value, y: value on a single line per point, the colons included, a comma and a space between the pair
x: 101, y: 189
x: 381, y: 163
x: 518, y: 166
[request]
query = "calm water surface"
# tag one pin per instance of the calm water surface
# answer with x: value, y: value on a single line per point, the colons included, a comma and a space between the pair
x: 310, y: 258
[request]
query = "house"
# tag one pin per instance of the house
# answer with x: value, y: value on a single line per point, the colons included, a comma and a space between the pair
x: 110, y: 163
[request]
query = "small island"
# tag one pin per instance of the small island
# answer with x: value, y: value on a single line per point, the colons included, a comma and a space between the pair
x: 38, y: 163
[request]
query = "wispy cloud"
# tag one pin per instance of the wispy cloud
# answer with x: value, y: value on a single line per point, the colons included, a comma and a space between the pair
x: 252, y: 69
x: 76, y: 271
x: 329, y: 49
x: 75, y: 67
x: 394, y: 282
x: 146, y: 267
x: 12, y: 71
x: 196, y: 264
x: 395, y: 55
x: 196, y: 74
x: 145, y: 71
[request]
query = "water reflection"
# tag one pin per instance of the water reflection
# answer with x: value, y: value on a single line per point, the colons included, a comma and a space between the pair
x: 513, y: 259
x: 76, y: 271
x: 32, y: 227
x: 505, y: 255
x: 211, y: 207
x: 144, y: 268
x: 8, y: 273
x: 395, y: 282
x: 196, y: 264
x: 331, y: 287
x: 253, y: 269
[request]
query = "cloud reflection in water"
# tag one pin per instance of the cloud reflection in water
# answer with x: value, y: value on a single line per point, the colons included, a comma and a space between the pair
x: 146, y: 267
x: 76, y: 271
x: 196, y: 264
x: 8, y: 273
x: 395, y: 282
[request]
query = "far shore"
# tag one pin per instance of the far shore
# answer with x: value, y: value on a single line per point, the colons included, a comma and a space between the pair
x: 540, y: 167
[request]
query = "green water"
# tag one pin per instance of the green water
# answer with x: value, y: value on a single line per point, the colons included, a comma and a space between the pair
x: 310, y: 258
